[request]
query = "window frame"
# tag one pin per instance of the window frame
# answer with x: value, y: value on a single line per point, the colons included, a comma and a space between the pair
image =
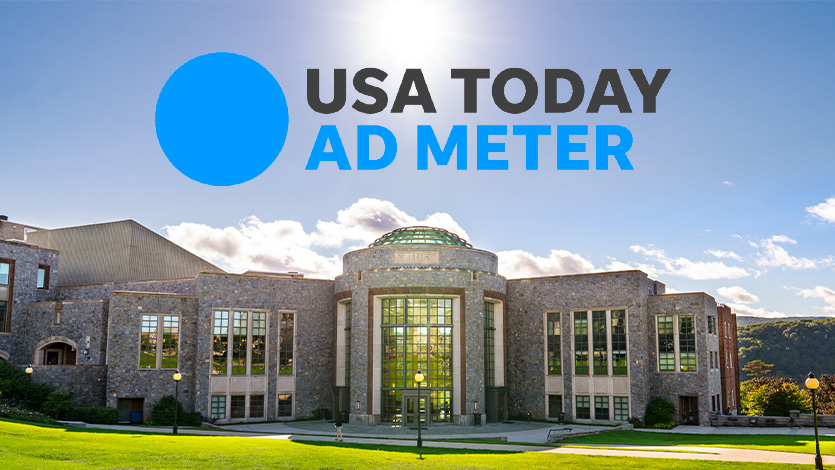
x: 159, y: 340
x: 620, y: 404
x: 283, y: 352
x: 45, y: 285
x: 227, y: 331
x: 553, y: 343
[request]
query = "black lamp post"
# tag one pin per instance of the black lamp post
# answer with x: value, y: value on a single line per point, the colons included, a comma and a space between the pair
x: 177, y: 377
x: 419, y: 379
x: 28, y: 371
x: 812, y: 384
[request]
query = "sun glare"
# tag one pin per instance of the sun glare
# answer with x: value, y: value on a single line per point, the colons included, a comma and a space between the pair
x: 409, y: 34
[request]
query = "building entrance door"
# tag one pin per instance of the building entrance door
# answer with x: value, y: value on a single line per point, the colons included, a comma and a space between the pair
x: 415, y: 407
x: 688, y: 408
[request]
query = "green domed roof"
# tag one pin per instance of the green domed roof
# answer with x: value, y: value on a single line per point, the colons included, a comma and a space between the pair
x: 420, y: 236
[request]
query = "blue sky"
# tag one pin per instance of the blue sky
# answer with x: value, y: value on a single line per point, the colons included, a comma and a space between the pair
x: 732, y: 192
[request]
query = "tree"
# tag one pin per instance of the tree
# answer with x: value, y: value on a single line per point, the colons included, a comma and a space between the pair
x: 757, y: 368
x: 768, y: 396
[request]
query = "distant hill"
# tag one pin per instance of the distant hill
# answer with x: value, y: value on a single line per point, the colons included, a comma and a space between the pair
x: 742, y: 320
x: 794, y: 347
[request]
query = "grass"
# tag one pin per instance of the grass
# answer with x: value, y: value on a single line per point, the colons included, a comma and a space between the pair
x: 773, y: 442
x: 30, y: 446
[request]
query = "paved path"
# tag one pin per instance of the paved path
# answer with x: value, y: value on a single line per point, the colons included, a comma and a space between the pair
x: 518, y: 434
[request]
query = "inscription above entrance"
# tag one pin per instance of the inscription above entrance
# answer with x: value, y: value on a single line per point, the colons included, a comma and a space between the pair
x: 415, y: 257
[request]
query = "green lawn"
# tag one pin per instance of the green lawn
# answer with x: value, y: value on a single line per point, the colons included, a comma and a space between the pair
x: 799, y: 444
x: 28, y: 446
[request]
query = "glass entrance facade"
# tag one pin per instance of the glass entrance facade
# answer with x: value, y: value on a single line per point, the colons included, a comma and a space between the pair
x: 417, y: 334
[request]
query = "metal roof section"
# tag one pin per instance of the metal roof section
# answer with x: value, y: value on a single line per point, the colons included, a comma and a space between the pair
x: 123, y: 251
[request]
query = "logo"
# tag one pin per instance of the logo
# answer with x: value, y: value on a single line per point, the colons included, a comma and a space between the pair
x: 221, y: 119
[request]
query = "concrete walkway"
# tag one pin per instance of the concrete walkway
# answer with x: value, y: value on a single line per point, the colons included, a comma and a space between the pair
x: 518, y: 434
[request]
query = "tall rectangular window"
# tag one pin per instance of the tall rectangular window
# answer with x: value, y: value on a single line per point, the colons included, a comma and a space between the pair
x: 348, y: 325
x: 238, y: 407
x: 554, y: 345
x: 239, y: 337
x: 259, y: 343
x: 43, y: 277
x: 170, y: 341
x: 620, y: 364
x: 598, y: 339
x: 621, y: 408
x: 687, y: 342
x: 583, y: 407
x: 5, y: 273
x: 148, y: 342
x: 285, y: 405
x: 581, y: 343
x: 256, y: 406
x: 666, y: 343
x: 240, y: 345
x: 601, y: 407
x: 711, y: 324
x: 285, y: 351
x: 4, y: 311
x: 554, y: 406
x: 156, y: 354
x: 489, y: 345
x: 218, y: 409
x: 416, y: 334
x: 220, y: 352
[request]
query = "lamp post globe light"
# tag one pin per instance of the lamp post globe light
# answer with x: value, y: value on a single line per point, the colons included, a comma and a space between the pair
x: 419, y: 379
x: 812, y: 384
x: 28, y: 371
x: 177, y: 377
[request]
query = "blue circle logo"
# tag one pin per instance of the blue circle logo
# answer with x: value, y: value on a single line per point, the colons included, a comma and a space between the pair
x: 221, y: 119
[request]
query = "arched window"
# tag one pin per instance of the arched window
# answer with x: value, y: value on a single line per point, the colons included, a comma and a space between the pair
x: 56, y: 351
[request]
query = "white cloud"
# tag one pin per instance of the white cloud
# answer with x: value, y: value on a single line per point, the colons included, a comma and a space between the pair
x: 741, y: 309
x: 724, y: 254
x: 615, y: 265
x: 696, y: 270
x: 824, y: 211
x: 518, y: 264
x: 776, y: 256
x: 728, y: 183
x: 820, y: 292
x: 737, y: 236
x: 284, y: 245
x: 783, y: 239
x: 738, y: 294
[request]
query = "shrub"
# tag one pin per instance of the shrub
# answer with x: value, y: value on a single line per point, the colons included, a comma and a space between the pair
x: 162, y: 414
x: 58, y: 404
x: 94, y: 415
x: 13, y: 385
x: 667, y: 425
x: 659, y: 411
x: 12, y: 410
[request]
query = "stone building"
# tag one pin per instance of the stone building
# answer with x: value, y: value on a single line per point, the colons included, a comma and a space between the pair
x: 110, y: 311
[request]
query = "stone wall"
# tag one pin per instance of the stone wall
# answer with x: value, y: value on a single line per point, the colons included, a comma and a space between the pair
x: 385, y: 257
x: 125, y: 378
x: 79, y: 320
x: 310, y: 300
x: 26, y: 259
x: 87, y: 382
x: 529, y: 299
x: 704, y: 382
x: 796, y: 419
x: 104, y: 291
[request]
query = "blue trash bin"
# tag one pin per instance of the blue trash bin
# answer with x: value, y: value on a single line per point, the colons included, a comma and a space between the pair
x: 136, y: 417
